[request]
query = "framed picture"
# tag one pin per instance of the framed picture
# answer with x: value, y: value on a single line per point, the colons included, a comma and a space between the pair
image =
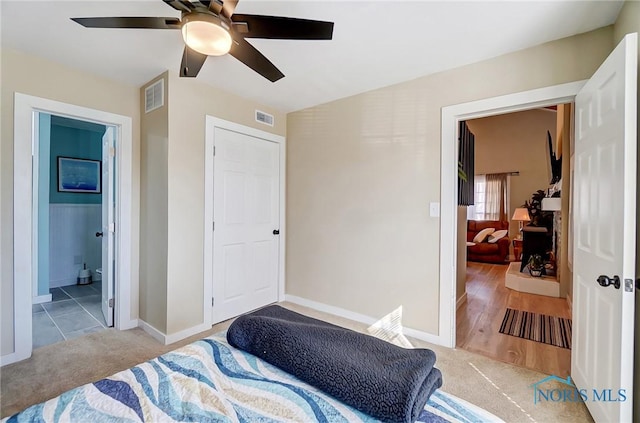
x: 79, y: 175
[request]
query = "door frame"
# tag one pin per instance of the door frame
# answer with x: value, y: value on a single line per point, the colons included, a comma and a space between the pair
x: 211, y: 124
x: 26, y: 108
x: 451, y: 116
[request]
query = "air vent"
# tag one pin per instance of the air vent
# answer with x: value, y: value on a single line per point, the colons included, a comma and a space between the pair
x: 265, y: 118
x: 154, y: 96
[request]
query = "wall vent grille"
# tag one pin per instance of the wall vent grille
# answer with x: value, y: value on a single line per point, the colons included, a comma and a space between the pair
x: 154, y: 96
x: 263, y: 117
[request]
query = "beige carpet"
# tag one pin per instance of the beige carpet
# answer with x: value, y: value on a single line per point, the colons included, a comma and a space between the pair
x: 500, y: 388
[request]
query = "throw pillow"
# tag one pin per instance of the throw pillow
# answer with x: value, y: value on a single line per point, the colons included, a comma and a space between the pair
x: 483, y: 234
x: 494, y: 237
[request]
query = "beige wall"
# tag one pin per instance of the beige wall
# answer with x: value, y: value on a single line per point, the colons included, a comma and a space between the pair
x: 190, y: 101
x: 629, y: 21
x: 38, y: 77
x: 515, y: 142
x: 154, y: 158
x: 362, y: 170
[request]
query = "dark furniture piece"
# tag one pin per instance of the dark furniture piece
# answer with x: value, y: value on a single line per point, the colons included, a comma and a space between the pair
x: 517, y: 249
x: 535, y: 240
x: 487, y: 252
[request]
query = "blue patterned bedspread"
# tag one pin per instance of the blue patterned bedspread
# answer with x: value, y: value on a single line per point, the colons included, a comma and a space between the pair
x: 210, y: 381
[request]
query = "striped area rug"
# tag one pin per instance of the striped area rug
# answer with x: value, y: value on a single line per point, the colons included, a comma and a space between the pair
x: 537, y: 327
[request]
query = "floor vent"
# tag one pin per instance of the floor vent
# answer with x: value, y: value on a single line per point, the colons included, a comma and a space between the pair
x: 265, y: 118
x: 154, y: 96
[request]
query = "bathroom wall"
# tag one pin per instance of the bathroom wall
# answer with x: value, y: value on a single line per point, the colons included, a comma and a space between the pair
x: 74, y: 217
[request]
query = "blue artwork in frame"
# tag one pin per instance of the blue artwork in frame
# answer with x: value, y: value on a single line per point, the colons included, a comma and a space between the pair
x: 79, y: 175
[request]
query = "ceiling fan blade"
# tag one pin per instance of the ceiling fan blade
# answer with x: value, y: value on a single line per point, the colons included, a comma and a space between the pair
x: 129, y: 22
x: 192, y: 62
x: 281, y: 28
x: 250, y: 56
x: 228, y: 7
x: 181, y: 5
x: 215, y: 6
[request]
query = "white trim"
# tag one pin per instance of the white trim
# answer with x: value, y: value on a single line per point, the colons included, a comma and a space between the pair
x: 155, y: 333
x: 461, y: 301
x: 357, y: 317
x: 25, y: 107
x: 451, y: 115
x: 212, y: 123
x: 41, y: 299
x: 9, y: 359
x: 174, y: 337
x: 185, y: 333
x: 35, y: 157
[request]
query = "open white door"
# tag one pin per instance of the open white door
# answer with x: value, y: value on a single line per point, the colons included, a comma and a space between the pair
x: 246, y: 212
x: 605, y: 232
x: 108, y: 225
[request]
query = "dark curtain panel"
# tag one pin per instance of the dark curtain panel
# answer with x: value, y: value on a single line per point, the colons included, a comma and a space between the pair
x: 466, y: 156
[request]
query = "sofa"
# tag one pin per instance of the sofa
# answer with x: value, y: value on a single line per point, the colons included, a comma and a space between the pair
x: 485, y: 251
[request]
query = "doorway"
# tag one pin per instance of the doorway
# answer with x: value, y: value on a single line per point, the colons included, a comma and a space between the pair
x: 71, y: 184
x: 516, y: 155
x: 26, y: 109
x: 451, y: 115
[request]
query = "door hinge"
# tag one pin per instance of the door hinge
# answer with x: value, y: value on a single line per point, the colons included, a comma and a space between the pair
x: 213, y: 226
x: 214, y: 150
x: 111, y: 302
x: 213, y: 301
x: 112, y: 227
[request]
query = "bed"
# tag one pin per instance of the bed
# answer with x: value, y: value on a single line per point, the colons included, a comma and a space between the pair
x: 211, y: 381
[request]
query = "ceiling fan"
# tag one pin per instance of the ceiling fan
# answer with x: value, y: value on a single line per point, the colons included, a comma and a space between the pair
x: 210, y: 28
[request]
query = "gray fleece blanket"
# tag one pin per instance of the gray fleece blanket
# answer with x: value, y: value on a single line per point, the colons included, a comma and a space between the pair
x: 383, y: 380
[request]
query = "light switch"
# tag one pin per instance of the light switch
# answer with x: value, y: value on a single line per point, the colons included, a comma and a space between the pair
x: 434, y: 209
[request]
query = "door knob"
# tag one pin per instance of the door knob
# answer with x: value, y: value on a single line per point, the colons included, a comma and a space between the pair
x: 276, y: 231
x: 98, y: 234
x: 605, y: 281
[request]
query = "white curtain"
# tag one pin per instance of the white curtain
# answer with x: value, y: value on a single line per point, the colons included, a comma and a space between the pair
x: 496, y: 197
x: 491, y: 200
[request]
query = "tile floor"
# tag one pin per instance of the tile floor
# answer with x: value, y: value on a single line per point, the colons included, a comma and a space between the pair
x: 75, y: 310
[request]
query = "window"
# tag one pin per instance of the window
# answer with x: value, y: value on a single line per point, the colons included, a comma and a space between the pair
x: 476, y: 211
x: 490, y: 197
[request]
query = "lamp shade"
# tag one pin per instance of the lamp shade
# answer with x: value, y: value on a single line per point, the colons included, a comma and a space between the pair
x: 206, y: 34
x: 521, y: 214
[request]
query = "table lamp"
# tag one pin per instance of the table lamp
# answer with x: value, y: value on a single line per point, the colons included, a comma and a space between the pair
x: 521, y: 214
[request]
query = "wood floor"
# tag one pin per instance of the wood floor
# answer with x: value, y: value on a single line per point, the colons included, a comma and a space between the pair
x: 479, y: 319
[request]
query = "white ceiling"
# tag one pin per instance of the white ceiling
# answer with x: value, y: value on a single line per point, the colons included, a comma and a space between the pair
x: 375, y: 43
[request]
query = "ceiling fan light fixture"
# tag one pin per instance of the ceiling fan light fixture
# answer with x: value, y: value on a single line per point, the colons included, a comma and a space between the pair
x: 206, y: 34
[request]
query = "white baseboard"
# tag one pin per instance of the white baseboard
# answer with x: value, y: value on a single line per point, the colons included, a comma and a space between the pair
x: 179, y: 336
x: 133, y: 323
x: 174, y: 337
x: 8, y: 359
x: 461, y: 300
x: 368, y: 320
x: 155, y: 333
x: 41, y: 299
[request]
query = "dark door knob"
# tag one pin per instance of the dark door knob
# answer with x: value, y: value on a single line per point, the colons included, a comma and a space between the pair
x: 605, y: 281
x: 276, y: 231
x: 98, y: 234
